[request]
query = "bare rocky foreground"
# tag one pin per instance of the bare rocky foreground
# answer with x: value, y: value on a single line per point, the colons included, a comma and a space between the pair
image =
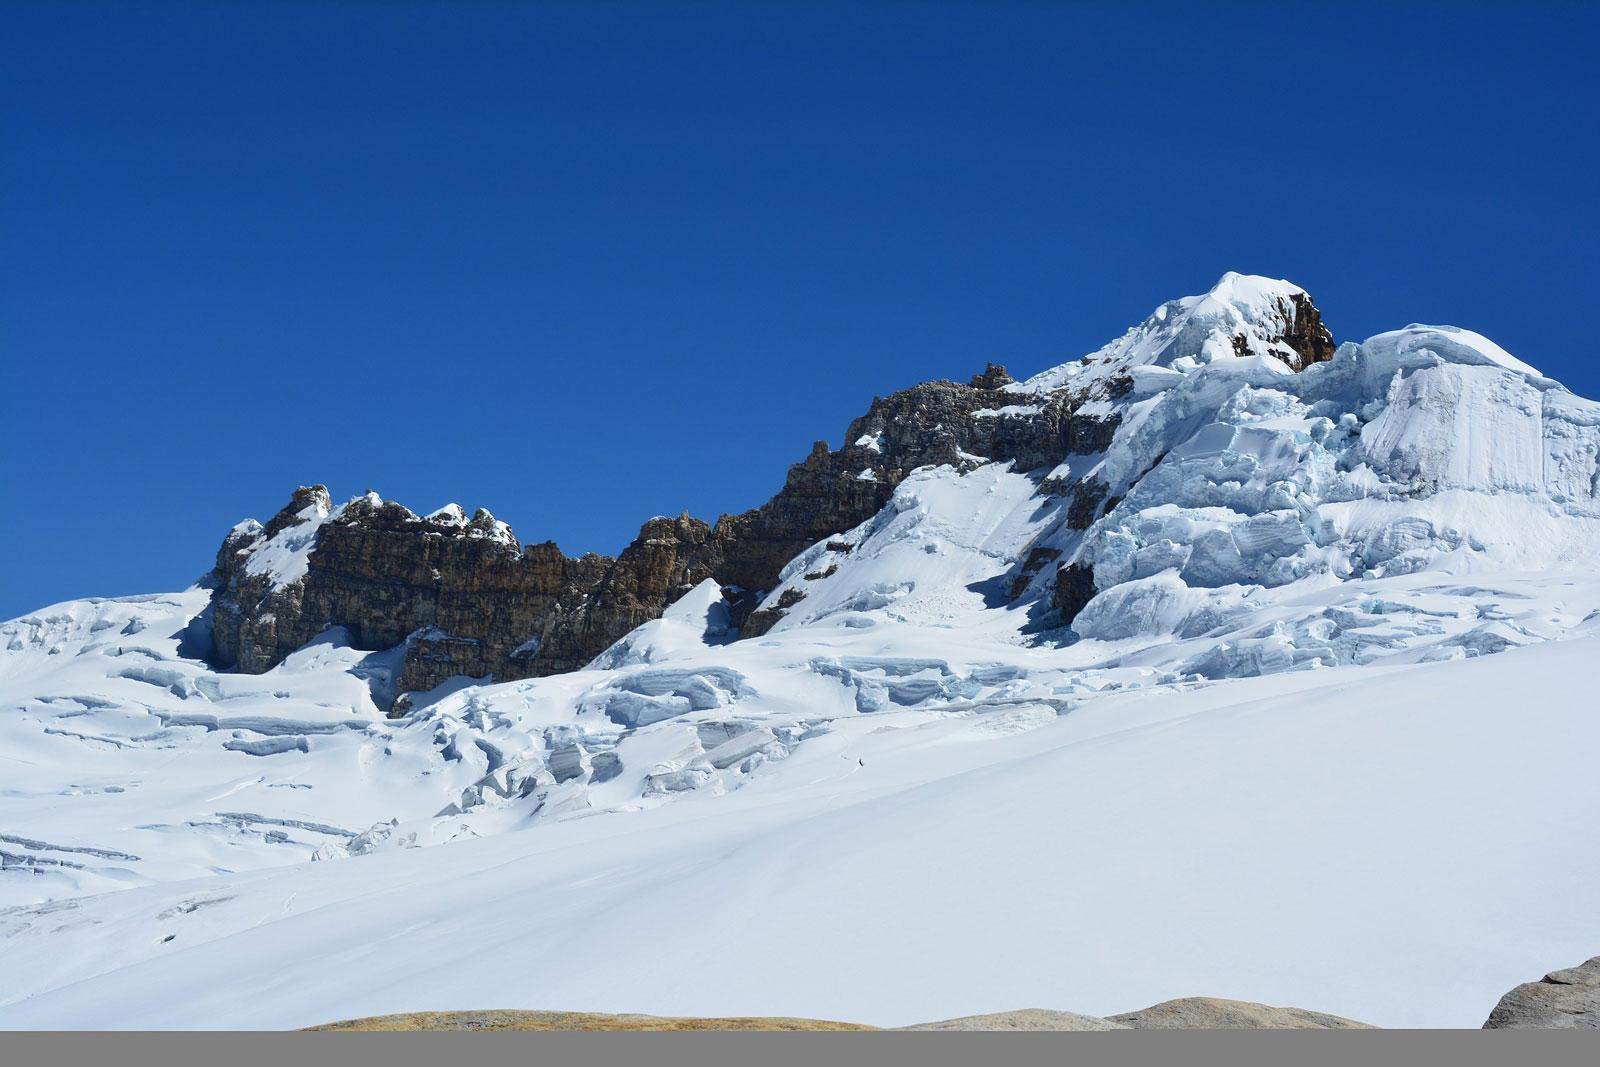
x: 572, y: 1021
x: 1192, y: 1013
x: 1564, y: 999
x: 1568, y: 999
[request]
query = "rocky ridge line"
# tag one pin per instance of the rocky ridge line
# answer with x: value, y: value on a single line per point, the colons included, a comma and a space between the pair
x: 466, y: 598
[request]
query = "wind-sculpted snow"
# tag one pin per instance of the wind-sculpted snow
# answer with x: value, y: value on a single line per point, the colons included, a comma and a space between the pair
x: 1241, y: 315
x: 653, y: 695
x: 283, y: 557
x: 1279, y: 562
x: 923, y: 557
x: 1420, y: 446
x: 1302, y: 838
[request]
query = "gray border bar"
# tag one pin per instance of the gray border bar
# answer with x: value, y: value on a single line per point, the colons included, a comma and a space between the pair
x: 1147, y: 1048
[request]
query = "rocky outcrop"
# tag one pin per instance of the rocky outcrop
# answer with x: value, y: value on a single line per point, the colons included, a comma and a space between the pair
x: 463, y: 596
x: 1190, y: 1013
x: 1301, y: 329
x: 1074, y: 588
x: 1025, y: 1019
x: 1305, y: 332
x: 466, y: 598
x: 575, y: 1022
x: 1186, y: 1013
x: 1562, y: 1000
x: 1215, y: 1013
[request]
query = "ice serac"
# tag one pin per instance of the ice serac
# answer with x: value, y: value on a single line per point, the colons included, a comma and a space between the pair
x: 1232, y: 476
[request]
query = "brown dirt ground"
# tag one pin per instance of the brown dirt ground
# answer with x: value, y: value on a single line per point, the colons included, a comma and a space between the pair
x: 578, y: 1021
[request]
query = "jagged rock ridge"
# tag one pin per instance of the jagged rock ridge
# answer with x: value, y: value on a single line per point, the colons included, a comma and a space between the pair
x: 467, y: 599
x: 470, y: 600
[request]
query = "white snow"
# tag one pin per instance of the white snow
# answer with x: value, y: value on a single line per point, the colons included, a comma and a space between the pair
x: 1364, y: 842
x: 1184, y: 334
x: 284, y: 557
x: 1322, y: 737
x: 1008, y: 410
x: 1449, y: 343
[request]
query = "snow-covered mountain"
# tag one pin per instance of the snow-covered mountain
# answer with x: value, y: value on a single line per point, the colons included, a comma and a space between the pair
x: 1219, y: 661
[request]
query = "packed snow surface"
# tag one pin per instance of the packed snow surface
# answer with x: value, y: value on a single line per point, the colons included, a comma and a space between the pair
x: 1321, y: 734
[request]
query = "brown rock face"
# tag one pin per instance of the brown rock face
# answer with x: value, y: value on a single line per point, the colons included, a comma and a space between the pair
x: 928, y: 424
x: 246, y: 606
x: 1074, y: 589
x: 1306, y: 334
x: 467, y: 599
x: 1302, y: 331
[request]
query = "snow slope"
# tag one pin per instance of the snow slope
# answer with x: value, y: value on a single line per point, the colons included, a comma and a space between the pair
x: 1321, y: 722
x: 1362, y: 840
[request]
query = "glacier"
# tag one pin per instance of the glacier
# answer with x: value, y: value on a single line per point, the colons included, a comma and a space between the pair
x: 1280, y: 694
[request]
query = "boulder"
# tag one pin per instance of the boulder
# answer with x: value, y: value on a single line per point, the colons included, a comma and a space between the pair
x: 1561, y: 1000
x: 1215, y: 1013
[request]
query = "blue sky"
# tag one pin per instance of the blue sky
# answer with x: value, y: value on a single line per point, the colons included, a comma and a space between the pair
x: 586, y: 264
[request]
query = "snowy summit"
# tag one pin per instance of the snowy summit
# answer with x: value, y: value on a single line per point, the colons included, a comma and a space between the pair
x: 1226, y: 660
